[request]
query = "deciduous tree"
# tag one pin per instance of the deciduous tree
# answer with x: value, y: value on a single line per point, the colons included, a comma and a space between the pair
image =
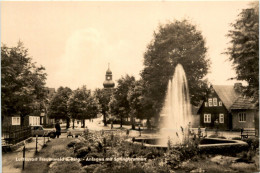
x: 244, y: 49
x: 173, y: 43
x: 119, y: 105
x: 103, y: 96
x: 136, y: 102
x: 82, y: 105
x: 58, y: 108
x: 22, y: 83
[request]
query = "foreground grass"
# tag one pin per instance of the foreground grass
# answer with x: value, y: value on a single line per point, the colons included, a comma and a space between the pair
x: 55, y: 149
x: 205, y: 164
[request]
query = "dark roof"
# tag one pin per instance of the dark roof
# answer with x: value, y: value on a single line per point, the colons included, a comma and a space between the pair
x: 227, y: 94
x: 233, y: 99
x: 243, y: 103
x: 108, y: 71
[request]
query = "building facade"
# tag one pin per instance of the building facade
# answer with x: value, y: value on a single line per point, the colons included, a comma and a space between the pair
x: 225, y: 108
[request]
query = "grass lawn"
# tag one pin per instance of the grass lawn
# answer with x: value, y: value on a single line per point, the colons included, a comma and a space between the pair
x: 57, y: 148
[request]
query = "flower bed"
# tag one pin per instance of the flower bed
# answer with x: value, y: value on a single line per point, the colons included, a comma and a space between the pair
x: 111, y: 152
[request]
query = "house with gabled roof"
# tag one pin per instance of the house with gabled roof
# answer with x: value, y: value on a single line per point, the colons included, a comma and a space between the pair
x: 226, y: 108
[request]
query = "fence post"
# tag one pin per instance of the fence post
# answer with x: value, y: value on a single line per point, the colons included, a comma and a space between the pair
x: 23, y: 156
x: 36, y: 143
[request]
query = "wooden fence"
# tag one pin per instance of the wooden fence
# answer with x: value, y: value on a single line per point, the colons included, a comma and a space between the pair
x: 13, y: 134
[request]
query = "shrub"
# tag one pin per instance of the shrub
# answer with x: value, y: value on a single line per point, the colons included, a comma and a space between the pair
x: 156, y: 166
x: 72, y: 143
x: 243, y: 167
x: 99, y: 147
x: 78, y: 145
x: 71, y: 167
x: 188, y: 152
x: 58, y: 149
x: 253, y: 143
x: 151, y: 153
x: 82, y: 152
x: 179, y: 154
x: 134, y: 150
x: 127, y: 167
x: 88, y: 158
x: 96, y: 168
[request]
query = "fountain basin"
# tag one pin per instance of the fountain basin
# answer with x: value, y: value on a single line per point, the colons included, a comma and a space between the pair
x: 222, y: 146
x: 206, y: 145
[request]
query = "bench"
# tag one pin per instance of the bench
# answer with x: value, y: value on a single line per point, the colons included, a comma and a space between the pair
x: 196, y: 131
x: 247, y: 132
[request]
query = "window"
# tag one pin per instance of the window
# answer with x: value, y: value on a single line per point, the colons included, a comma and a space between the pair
x: 242, y: 117
x: 215, y: 102
x: 210, y: 102
x: 38, y: 120
x: 206, y: 104
x: 207, y: 118
x: 34, y: 120
x: 220, y: 103
x: 15, y: 120
x: 221, y: 118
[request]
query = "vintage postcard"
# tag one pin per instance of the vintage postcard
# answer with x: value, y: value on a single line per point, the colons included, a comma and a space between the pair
x: 120, y: 86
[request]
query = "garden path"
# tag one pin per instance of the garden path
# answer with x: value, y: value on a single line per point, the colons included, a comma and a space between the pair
x: 10, y: 163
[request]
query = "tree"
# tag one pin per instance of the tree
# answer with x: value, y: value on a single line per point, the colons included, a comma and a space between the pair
x: 141, y: 106
x: 173, y: 43
x: 103, y: 96
x: 82, y: 105
x: 119, y: 105
x: 244, y: 49
x: 136, y: 100
x: 58, y: 105
x: 23, y: 83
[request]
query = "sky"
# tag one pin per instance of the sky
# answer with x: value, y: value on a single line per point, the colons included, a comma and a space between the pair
x: 75, y: 41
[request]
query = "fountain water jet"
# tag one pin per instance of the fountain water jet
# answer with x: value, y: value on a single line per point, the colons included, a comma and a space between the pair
x: 176, y: 111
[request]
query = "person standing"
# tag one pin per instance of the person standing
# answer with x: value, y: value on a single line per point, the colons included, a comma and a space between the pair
x: 58, y: 129
x: 199, y: 132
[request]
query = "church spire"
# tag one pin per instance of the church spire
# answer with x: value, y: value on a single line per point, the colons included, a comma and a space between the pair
x: 108, y: 83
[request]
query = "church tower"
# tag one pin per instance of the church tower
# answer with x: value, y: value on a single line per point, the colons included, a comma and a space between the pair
x: 108, y: 83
